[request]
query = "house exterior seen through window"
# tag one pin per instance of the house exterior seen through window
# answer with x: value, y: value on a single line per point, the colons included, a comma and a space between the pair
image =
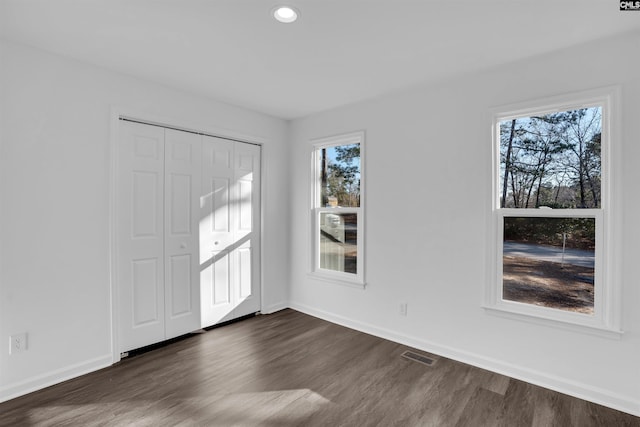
x: 337, y: 208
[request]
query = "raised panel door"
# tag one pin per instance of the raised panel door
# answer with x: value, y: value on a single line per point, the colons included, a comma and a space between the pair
x: 229, y: 230
x: 246, y: 228
x: 140, y: 235
x: 218, y: 200
x: 181, y: 245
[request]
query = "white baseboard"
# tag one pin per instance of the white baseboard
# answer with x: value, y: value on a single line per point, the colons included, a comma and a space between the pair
x: 45, y: 380
x: 553, y: 382
x: 275, y: 307
x: 563, y: 385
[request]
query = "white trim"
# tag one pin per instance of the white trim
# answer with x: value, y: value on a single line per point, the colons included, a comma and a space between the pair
x: 342, y: 139
x: 336, y: 278
x: 113, y: 233
x: 263, y: 199
x: 607, y: 309
x: 39, y: 382
x: 557, y: 383
x: 564, y: 102
x: 274, y: 308
x: 521, y: 314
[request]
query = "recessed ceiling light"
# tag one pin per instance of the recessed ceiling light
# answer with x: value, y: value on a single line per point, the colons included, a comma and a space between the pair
x: 285, y: 14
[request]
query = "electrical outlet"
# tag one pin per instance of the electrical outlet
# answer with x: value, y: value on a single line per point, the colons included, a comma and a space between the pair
x: 403, y: 309
x: 17, y: 343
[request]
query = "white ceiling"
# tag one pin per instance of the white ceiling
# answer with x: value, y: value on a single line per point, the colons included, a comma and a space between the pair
x: 339, y: 52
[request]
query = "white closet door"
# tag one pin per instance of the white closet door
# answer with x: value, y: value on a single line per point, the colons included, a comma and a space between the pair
x: 216, y: 233
x: 229, y: 230
x: 140, y: 235
x: 188, y: 232
x: 182, y: 208
x: 247, y: 229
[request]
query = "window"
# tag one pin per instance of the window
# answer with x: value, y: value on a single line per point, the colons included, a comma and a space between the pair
x: 552, y: 211
x: 337, y: 209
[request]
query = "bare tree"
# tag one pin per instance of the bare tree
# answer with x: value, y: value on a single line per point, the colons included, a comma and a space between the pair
x: 551, y: 160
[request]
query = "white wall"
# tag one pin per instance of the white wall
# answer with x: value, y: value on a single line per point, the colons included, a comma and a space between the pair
x: 427, y: 202
x: 427, y: 207
x: 54, y: 190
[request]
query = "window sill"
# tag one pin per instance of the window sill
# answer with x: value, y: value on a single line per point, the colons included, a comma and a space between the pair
x: 513, y: 314
x: 337, y: 280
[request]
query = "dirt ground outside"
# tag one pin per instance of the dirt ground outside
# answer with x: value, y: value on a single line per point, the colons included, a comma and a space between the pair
x: 548, y: 284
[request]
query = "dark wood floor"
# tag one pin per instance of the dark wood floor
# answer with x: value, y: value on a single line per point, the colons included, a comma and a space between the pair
x: 290, y: 369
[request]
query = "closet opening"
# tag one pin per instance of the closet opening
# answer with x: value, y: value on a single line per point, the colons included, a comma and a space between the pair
x: 187, y: 232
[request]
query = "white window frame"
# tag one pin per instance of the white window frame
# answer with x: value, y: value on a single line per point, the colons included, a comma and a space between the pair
x: 349, y: 279
x: 606, y: 319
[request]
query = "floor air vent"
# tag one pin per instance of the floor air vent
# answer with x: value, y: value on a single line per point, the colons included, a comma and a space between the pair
x: 421, y: 358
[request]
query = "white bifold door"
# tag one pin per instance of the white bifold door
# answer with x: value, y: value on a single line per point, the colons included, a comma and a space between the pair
x: 229, y: 230
x: 168, y: 277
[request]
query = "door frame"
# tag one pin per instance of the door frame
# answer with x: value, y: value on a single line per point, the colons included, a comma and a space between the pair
x: 145, y: 117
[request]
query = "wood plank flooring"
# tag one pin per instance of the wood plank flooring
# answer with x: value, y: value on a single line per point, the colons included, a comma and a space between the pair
x: 290, y: 369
